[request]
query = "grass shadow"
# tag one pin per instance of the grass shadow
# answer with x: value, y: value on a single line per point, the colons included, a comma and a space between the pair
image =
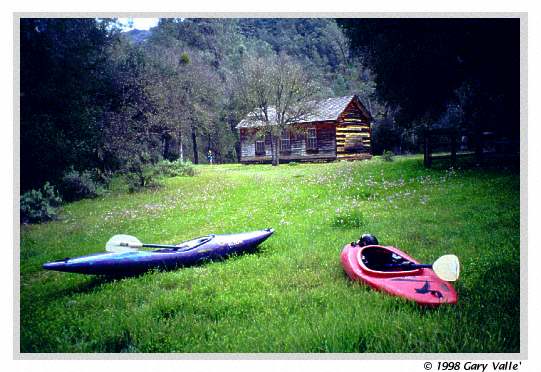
x: 82, y: 287
x: 489, y: 161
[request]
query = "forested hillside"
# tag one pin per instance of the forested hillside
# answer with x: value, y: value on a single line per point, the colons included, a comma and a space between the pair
x: 93, y: 97
x: 96, y: 99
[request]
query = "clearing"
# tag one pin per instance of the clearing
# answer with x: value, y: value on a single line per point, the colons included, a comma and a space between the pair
x: 292, y: 295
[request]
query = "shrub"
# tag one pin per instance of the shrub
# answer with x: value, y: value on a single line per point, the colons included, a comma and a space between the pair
x: 175, y: 168
x: 102, y: 179
x: 79, y: 185
x: 133, y: 181
x: 184, y: 58
x: 139, y: 172
x: 40, y: 205
x: 387, y: 155
x: 145, y: 177
x: 293, y: 163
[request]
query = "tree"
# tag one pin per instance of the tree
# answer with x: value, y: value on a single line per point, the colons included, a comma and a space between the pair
x: 186, y: 80
x: 130, y: 127
x: 420, y: 65
x: 279, y: 92
x: 65, y: 89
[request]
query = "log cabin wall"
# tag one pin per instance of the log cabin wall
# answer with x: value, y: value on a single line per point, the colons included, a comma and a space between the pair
x: 353, y: 134
x: 298, y: 149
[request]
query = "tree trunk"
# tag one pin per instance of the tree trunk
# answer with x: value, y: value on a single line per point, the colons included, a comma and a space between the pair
x: 166, y: 146
x: 163, y: 147
x: 478, y: 144
x: 275, y: 151
x: 237, y: 144
x: 209, y: 148
x: 454, y: 140
x: 194, y: 142
x: 427, y: 150
x: 180, y: 149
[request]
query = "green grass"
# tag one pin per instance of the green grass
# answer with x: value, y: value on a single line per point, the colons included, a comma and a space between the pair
x: 292, y: 295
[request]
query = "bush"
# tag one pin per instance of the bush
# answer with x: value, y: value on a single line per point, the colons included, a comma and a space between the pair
x: 133, y: 181
x: 79, y: 185
x: 40, y: 205
x: 139, y: 172
x: 293, y: 163
x: 387, y: 155
x: 175, y: 168
x: 145, y: 177
x: 102, y: 179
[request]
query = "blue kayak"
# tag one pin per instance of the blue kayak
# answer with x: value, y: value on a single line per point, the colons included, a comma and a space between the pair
x: 191, y: 252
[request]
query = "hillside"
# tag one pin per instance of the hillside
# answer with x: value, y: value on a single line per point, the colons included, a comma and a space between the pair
x: 138, y: 36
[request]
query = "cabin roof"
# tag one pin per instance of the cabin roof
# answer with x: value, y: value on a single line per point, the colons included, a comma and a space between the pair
x: 325, y: 110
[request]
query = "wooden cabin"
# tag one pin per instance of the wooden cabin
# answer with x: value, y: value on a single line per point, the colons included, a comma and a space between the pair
x: 339, y: 129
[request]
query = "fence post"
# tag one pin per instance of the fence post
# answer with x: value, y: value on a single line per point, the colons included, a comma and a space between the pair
x: 427, y: 153
x: 479, y: 145
x: 454, y: 136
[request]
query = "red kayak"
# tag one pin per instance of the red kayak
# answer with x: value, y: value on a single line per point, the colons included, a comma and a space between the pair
x: 380, y: 267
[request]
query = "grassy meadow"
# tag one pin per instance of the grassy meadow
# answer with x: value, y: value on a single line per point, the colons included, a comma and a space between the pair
x: 292, y: 295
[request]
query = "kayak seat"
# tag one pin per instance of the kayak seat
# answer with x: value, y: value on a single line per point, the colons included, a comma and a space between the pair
x: 381, y: 259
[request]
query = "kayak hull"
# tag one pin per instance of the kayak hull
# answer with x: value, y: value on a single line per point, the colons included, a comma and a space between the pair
x: 136, y: 262
x: 420, y: 285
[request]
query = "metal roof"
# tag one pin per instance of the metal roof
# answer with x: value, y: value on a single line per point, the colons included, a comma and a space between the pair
x: 327, y: 109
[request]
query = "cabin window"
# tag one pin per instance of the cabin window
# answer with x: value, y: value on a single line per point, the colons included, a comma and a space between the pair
x: 311, y: 139
x: 285, y: 142
x: 260, y: 147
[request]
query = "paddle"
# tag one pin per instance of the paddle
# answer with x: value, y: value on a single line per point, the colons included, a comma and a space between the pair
x: 446, y: 267
x: 127, y: 243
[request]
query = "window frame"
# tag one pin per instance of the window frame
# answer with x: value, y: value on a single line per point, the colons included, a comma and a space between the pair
x: 311, y: 140
x: 260, y: 147
x: 285, y: 142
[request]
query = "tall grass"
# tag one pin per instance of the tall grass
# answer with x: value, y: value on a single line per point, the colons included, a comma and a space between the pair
x: 292, y: 295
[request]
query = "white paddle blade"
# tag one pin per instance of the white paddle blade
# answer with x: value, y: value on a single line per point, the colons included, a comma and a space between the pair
x: 123, y: 243
x: 447, y: 267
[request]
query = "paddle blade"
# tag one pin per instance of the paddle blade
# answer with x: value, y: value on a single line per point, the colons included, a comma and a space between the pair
x: 123, y: 243
x: 447, y: 267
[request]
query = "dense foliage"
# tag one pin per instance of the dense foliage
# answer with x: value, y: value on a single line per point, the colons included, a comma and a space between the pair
x: 65, y: 89
x: 95, y: 98
x: 431, y: 68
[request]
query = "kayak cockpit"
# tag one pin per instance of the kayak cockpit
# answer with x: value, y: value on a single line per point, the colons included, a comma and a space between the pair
x: 188, y: 244
x: 381, y: 259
